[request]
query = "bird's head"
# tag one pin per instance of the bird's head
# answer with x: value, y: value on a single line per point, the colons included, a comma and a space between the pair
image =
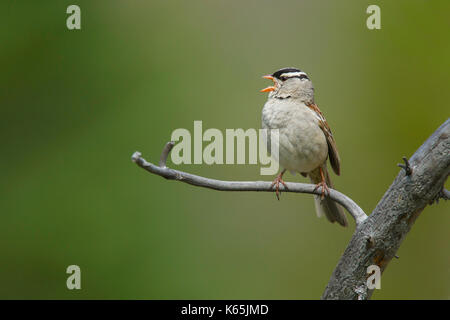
x: 290, y: 83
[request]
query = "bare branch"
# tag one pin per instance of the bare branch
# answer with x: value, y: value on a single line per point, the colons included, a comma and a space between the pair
x: 445, y: 194
x: 171, y: 174
x: 165, y: 153
x: 406, y: 166
x: 393, y: 217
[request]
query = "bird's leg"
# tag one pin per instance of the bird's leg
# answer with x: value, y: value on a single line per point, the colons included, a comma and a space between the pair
x: 276, y: 183
x: 322, y: 184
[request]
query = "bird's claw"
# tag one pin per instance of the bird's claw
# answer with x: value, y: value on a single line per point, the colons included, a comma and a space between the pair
x: 325, y: 189
x: 276, y: 183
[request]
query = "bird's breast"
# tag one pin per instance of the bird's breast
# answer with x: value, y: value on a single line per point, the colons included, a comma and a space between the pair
x: 302, y: 144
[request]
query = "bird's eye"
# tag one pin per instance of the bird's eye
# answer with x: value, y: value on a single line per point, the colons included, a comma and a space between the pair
x: 283, y: 78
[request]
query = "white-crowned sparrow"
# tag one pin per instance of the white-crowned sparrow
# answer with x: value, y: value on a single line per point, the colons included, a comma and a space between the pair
x: 305, y: 139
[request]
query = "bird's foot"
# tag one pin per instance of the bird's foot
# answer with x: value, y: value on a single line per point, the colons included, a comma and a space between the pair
x: 325, y: 189
x: 276, y: 183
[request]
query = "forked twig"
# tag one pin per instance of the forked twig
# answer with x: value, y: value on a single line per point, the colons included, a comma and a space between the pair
x: 162, y: 170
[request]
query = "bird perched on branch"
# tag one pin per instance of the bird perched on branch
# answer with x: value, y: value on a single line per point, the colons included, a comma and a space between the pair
x: 305, y: 138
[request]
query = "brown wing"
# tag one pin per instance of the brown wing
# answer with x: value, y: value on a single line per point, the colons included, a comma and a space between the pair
x: 333, y: 154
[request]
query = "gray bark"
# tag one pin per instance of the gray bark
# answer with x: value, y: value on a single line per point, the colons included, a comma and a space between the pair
x: 378, y: 238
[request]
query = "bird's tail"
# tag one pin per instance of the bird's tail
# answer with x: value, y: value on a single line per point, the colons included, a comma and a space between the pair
x: 326, y: 206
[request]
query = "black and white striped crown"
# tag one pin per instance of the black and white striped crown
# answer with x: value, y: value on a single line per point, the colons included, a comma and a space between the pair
x: 287, y: 73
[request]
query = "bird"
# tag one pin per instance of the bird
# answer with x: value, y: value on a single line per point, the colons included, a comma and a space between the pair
x: 305, y: 140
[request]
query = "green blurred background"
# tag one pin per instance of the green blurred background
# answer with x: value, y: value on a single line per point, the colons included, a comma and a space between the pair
x: 76, y: 104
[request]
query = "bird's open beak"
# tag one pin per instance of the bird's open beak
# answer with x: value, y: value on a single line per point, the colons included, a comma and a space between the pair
x: 271, y: 88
